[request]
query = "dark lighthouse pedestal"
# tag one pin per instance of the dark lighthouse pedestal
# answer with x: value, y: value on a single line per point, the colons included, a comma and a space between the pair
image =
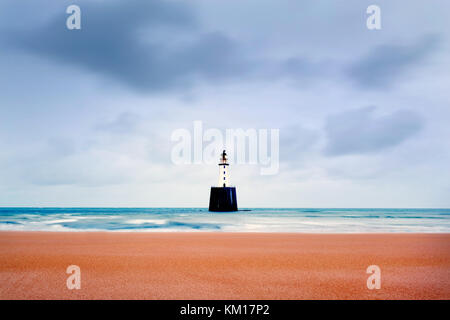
x: 223, y: 197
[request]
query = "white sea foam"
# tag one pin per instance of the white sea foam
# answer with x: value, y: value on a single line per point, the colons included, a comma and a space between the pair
x: 35, y: 227
x: 143, y: 221
x: 256, y: 220
x: 59, y: 221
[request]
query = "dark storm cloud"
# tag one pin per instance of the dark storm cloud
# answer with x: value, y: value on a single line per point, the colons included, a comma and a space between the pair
x: 360, y: 131
x: 159, y: 45
x: 149, y: 45
x: 386, y: 63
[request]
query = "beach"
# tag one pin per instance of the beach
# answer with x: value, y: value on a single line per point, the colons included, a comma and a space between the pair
x: 220, y: 265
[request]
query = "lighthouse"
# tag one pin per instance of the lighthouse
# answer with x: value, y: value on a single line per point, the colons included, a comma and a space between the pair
x: 224, y: 179
x: 223, y: 197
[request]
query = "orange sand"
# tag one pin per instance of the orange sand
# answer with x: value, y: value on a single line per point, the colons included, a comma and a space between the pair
x: 223, y: 265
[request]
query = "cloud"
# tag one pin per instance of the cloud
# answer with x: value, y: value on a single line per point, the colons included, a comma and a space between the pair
x: 360, y: 131
x: 126, y: 122
x: 153, y: 46
x: 83, y: 121
x: 296, y: 143
x: 148, y: 45
x: 386, y: 63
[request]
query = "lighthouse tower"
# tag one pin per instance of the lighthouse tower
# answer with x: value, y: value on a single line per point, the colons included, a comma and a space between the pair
x: 223, y: 197
x: 224, y: 179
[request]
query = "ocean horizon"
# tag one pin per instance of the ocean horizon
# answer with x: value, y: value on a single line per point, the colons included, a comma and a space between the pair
x: 297, y: 220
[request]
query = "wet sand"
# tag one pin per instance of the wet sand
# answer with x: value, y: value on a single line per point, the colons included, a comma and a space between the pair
x: 116, y: 265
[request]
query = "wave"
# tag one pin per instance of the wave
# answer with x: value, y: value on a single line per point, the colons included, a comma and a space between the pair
x: 199, y: 219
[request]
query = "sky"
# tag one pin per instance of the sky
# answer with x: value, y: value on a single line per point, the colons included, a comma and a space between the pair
x: 86, y: 116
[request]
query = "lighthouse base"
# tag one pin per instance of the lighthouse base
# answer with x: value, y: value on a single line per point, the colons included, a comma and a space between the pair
x: 223, y: 199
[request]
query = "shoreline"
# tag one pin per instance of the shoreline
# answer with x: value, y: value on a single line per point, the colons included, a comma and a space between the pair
x: 223, y: 265
x: 147, y: 231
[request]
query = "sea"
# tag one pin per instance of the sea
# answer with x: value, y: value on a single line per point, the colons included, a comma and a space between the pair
x: 301, y: 220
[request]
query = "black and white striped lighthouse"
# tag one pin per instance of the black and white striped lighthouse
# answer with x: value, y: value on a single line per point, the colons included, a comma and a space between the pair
x: 223, y: 197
